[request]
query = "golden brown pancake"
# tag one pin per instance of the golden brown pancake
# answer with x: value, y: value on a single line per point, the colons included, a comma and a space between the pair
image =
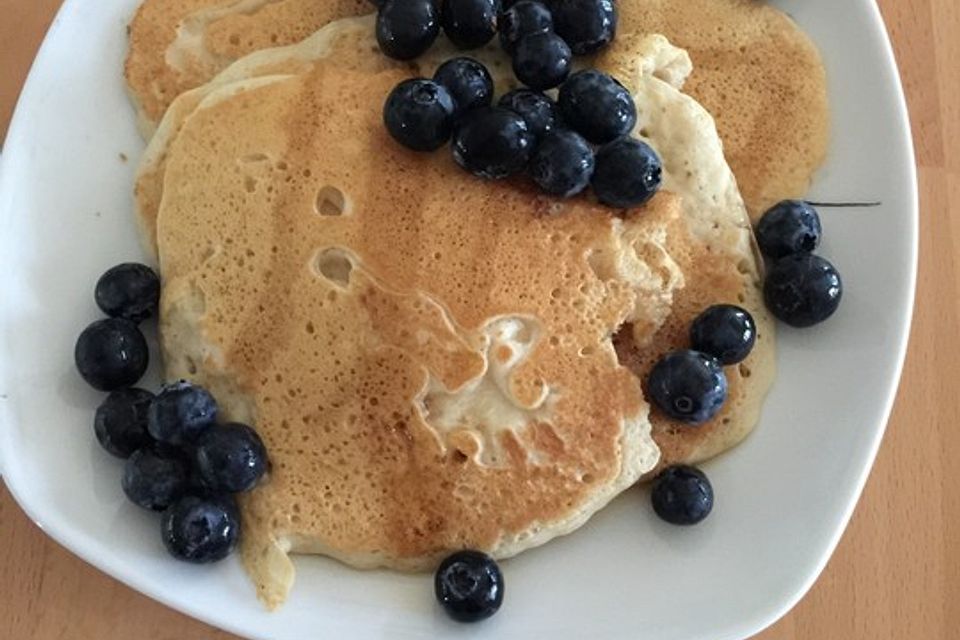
x: 177, y: 45
x: 427, y: 355
x: 759, y: 76
x: 390, y: 323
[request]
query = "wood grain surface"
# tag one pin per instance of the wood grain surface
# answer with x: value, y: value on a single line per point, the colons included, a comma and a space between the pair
x: 896, y: 573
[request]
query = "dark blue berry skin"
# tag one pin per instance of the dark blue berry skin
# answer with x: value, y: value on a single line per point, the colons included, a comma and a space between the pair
x: 542, y: 60
x: 111, y: 354
x: 628, y: 173
x: 724, y: 331
x: 201, y: 529
x: 596, y: 106
x: 522, y: 19
x: 468, y: 82
x: 586, y: 25
x: 128, y: 290
x: 180, y: 413
x: 562, y: 164
x: 803, y: 290
x: 470, y: 23
x: 492, y: 143
x: 419, y: 114
x: 154, y: 477
x: 230, y: 458
x: 789, y: 227
x: 538, y: 110
x: 682, y: 495
x: 688, y: 386
x: 469, y: 586
x: 121, y: 421
x: 407, y: 28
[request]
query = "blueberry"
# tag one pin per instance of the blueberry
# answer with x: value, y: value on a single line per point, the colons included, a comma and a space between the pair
x: 724, y: 331
x: 419, y: 114
x: 111, y: 354
x: 688, y: 386
x: 121, y: 421
x: 468, y: 82
x: 682, y: 495
x: 470, y: 23
x: 562, y: 164
x: 469, y: 586
x: 201, y: 530
x: 536, y: 109
x: 789, y: 227
x: 522, y: 19
x: 407, y: 28
x: 230, y: 458
x: 628, y: 173
x: 492, y: 142
x: 803, y: 290
x: 155, y: 476
x: 586, y: 25
x: 542, y: 60
x: 180, y: 413
x: 597, y: 106
x: 128, y: 290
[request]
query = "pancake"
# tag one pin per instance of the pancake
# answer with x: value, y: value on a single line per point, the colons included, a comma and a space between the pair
x: 394, y: 327
x: 178, y: 45
x: 721, y: 263
x: 411, y: 351
x: 760, y: 77
x: 756, y: 72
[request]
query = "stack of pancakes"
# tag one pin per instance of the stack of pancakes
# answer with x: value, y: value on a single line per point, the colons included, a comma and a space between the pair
x: 435, y: 361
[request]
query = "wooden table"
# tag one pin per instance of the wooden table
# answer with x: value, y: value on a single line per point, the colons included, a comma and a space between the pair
x: 894, y: 575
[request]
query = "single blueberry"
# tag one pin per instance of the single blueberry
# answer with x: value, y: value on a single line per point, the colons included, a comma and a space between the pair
x: 121, y: 421
x: 201, y: 529
x: 562, y: 164
x: 682, y: 495
x: 586, y: 25
x: 128, y: 290
x: 724, y: 331
x: 419, y: 114
x: 542, y: 60
x: 789, y: 227
x: 468, y: 82
x: 538, y: 110
x: 230, y: 458
x: 470, y: 23
x: 469, y: 586
x: 180, y: 413
x: 155, y: 476
x: 597, y: 106
x: 522, y: 19
x: 407, y: 28
x: 491, y: 142
x: 111, y: 354
x: 688, y: 386
x: 803, y: 290
x: 627, y: 174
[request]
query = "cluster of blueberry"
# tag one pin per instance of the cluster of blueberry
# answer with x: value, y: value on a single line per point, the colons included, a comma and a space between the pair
x: 689, y: 385
x: 178, y: 460
x: 801, y: 289
x: 553, y: 140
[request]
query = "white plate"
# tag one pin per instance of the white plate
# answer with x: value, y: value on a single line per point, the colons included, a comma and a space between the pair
x: 784, y: 497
